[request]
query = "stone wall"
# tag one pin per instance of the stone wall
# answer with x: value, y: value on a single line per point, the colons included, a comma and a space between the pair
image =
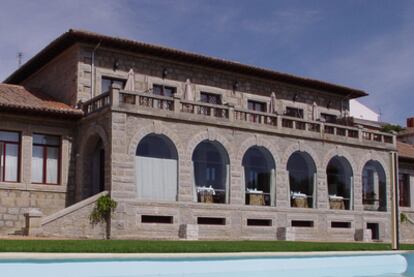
x: 58, y: 78
x: 148, y: 71
x: 17, y: 198
x: 128, y: 130
x: 74, y: 222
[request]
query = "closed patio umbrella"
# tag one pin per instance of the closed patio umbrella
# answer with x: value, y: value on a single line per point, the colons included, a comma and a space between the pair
x: 273, y: 103
x: 314, y: 111
x: 188, y: 91
x: 130, y: 83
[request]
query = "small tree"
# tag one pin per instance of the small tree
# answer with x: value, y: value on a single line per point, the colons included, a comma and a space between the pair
x: 102, y: 212
x: 388, y: 128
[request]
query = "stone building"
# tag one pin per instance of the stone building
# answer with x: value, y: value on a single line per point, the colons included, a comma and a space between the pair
x: 405, y: 146
x: 191, y: 147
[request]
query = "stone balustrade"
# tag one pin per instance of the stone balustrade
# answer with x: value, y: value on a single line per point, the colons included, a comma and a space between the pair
x: 147, y: 100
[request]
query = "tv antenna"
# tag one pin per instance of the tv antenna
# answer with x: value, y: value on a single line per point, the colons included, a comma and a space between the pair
x: 19, y: 58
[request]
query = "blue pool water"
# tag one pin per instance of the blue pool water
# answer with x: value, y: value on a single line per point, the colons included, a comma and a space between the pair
x: 356, y: 265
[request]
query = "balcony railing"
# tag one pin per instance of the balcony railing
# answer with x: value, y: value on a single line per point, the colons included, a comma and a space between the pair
x: 147, y: 100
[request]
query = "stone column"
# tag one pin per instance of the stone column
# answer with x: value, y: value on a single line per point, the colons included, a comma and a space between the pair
x: 322, y: 189
x: 33, y: 222
x: 282, y: 188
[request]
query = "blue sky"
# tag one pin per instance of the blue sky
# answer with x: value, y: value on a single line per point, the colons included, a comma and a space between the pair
x: 363, y: 44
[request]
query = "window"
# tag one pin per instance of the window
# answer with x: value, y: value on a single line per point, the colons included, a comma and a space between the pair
x: 45, y: 159
x: 374, y: 190
x: 107, y: 83
x: 294, y: 112
x: 259, y: 169
x: 163, y: 90
x: 340, y: 181
x: 256, y: 106
x: 9, y: 156
x: 302, y: 177
x: 302, y: 223
x: 211, y: 172
x: 328, y: 118
x: 210, y: 98
x: 404, y: 190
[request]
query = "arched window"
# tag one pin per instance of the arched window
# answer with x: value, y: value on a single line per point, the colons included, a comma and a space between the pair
x: 156, y: 168
x: 211, y: 172
x: 259, y: 176
x: 374, y: 190
x: 340, y: 183
x: 302, y: 177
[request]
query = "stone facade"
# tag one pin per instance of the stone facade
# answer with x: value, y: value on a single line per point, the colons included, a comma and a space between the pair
x: 17, y: 197
x: 118, y: 127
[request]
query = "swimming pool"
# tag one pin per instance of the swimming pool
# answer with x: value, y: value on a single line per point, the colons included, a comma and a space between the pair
x: 384, y: 264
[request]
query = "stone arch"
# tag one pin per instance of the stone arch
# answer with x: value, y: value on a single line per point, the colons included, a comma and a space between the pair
x: 374, y: 157
x: 301, y: 147
x: 155, y: 129
x: 340, y: 152
x: 86, y: 178
x: 258, y: 141
x: 211, y: 136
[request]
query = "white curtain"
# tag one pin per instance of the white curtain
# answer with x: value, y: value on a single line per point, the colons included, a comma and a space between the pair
x: 315, y: 191
x: 37, y: 164
x: 156, y: 178
x: 272, y: 188
x: 12, y: 157
x: 52, y: 165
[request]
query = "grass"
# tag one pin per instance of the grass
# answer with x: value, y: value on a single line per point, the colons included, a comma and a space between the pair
x: 134, y: 246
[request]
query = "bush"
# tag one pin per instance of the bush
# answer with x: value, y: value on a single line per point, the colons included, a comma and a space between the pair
x: 103, y: 209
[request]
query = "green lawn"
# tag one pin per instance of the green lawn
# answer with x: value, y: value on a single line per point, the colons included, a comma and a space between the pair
x: 132, y: 246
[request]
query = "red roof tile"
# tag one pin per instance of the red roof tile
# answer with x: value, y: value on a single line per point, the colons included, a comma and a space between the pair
x: 14, y: 97
x: 405, y: 150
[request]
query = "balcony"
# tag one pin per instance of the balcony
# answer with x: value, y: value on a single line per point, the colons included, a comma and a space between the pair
x: 173, y: 107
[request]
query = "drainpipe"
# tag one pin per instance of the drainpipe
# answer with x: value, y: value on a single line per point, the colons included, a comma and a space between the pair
x: 93, y: 69
x: 395, y: 240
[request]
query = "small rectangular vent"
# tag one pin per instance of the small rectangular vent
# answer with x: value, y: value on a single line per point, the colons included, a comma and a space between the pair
x: 302, y: 223
x: 163, y: 219
x: 259, y: 222
x: 211, y: 221
x: 340, y: 224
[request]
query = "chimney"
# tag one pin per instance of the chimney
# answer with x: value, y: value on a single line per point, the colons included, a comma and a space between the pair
x: 410, y: 122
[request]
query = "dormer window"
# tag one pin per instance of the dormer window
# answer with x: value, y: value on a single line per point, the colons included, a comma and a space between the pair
x: 210, y: 98
x: 107, y: 83
x: 294, y: 112
x: 163, y: 90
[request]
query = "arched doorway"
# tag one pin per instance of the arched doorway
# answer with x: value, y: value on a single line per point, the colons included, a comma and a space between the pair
x: 340, y: 183
x: 302, y: 178
x: 211, y: 172
x: 93, y: 167
x: 259, y: 176
x: 156, y: 165
x: 374, y: 189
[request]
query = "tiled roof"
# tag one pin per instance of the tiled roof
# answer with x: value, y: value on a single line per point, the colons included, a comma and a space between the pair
x: 18, y: 98
x: 77, y: 36
x: 405, y: 150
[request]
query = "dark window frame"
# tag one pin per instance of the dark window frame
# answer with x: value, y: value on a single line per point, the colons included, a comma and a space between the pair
x: 294, y: 112
x: 329, y: 118
x: 45, y: 152
x: 4, y: 143
x: 404, y: 180
x: 163, y: 90
x: 210, y: 96
x: 112, y: 80
x: 252, y: 105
